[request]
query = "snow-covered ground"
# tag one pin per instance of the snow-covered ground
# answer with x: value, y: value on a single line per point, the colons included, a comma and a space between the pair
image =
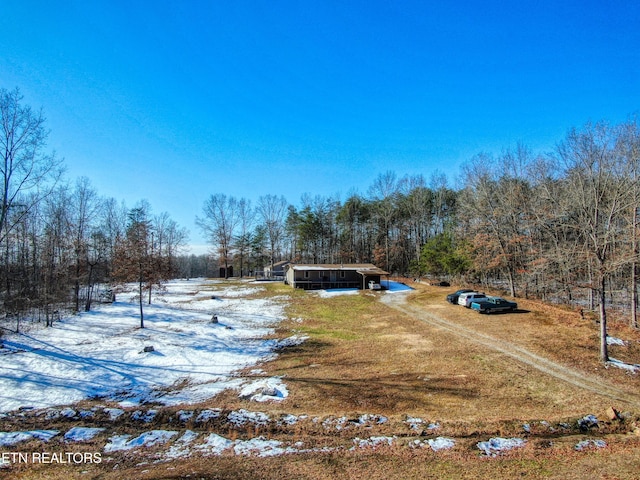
x: 101, y: 353
x: 388, y: 285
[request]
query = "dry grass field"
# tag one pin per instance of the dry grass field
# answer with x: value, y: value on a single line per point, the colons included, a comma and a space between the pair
x: 531, y: 374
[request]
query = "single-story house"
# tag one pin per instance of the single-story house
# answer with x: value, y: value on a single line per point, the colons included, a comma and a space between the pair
x: 324, y: 276
x: 277, y: 271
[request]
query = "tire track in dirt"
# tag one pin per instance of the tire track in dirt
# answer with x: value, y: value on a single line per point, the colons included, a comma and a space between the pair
x: 556, y: 370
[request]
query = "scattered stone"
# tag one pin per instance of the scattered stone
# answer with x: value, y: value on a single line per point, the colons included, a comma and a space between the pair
x: 612, y: 414
x: 270, y: 391
x: 214, y: 318
x: 149, y: 348
x: 588, y: 422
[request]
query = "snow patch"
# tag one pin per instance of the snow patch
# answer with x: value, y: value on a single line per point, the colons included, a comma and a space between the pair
x: 496, y: 445
x: 214, y: 445
x: 291, y: 341
x: 334, y: 292
x: 585, y: 444
x: 11, y: 438
x: 242, y: 417
x: 207, y: 415
x: 373, y: 442
x: 142, y: 416
x: 96, y: 354
x: 615, y: 341
x: 184, y: 415
x: 633, y: 368
x: 180, y: 448
x: 147, y: 439
x: 441, y: 443
x: 82, y: 434
x: 114, y: 413
x: 260, y: 447
x: 264, y: 390
x: 436, y: 444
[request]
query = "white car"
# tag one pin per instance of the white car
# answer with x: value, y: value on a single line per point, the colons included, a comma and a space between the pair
x: 466, y: 298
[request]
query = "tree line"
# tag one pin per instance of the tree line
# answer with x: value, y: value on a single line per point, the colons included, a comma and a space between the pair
x: 61, y: 243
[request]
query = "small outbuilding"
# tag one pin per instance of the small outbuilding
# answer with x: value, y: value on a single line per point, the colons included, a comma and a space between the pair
x: 326, y: 276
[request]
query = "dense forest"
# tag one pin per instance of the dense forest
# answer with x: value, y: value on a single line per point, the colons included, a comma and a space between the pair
x: 560, y: 226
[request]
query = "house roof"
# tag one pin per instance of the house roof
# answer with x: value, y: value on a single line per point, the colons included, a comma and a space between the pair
x: 362, y: 268
x: 282, y: 263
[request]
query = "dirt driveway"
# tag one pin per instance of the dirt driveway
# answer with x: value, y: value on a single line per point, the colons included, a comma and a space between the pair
x: 576, y: 378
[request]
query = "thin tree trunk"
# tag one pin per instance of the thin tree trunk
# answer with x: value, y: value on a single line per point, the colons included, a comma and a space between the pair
x: 634, y: 296
x: 604, y: 350
x: 141, y: 311
x: 87, y: 305
x: 512, y: 282
x: 633, y: 321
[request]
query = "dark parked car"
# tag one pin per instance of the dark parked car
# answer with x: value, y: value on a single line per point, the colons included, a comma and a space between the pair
x: 453, y: 297
x: 493, y: 304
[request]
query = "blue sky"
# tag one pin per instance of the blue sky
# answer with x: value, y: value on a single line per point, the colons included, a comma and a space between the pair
x: 175, y: 101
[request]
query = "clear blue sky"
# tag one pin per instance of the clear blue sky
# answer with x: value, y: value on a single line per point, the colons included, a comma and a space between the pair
x: 175, y: 101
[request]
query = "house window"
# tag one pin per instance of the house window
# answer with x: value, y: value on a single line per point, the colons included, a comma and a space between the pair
x: 343, y: 274
x: 306, y: 274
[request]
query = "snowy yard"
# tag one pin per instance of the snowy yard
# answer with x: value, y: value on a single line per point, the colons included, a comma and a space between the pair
x: 101, y: 353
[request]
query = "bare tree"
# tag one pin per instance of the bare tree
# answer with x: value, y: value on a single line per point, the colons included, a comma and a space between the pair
x: 133, y: 258
x: 84, y: 208
x: 383, y: 193
x: 495, y: 205
x: 113, y: 222
x: 24, y: 166
x: 272, y: 211
x: 27, y: 173
x: 629, y: 148
x: 221, y: 217
x: 246, y: 218
x: 600, y: 195
x: 167, y: 243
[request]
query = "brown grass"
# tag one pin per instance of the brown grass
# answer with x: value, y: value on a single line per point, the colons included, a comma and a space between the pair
x: 363, y: 357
